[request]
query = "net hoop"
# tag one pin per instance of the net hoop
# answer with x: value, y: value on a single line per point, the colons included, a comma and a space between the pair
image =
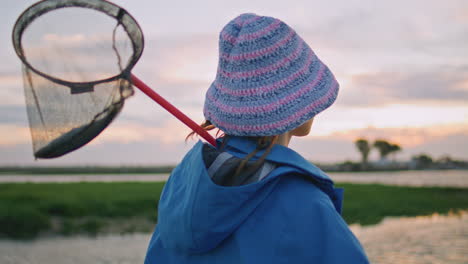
x: 84, y: 112
x: 108, y: 8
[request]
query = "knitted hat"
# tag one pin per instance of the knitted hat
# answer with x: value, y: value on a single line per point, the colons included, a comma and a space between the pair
x: 268, y: 81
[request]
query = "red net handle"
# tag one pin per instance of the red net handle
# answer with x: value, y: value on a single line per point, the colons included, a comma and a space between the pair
x: 172, y: 109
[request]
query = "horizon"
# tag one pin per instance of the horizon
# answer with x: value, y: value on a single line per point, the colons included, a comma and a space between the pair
x: 403, y: 75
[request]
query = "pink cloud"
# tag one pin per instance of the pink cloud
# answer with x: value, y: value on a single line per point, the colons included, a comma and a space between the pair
x: 405, y: 136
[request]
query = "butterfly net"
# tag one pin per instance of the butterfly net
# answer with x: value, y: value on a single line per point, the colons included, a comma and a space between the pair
x: 77, y: 56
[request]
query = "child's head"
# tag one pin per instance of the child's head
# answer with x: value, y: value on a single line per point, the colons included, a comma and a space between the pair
x: 268, y: 81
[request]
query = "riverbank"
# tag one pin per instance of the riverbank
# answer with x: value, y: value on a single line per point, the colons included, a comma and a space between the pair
x: 431, y: 239
x: 443, y: 178
x: 353, y: 167
x: 30, y: 210
x: 70, y: 170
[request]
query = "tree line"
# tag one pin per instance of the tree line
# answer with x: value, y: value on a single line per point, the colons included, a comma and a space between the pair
x: 384, y: 147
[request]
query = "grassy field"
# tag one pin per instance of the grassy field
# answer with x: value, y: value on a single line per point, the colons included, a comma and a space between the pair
x: 368, y: 204
x: 27, y: 210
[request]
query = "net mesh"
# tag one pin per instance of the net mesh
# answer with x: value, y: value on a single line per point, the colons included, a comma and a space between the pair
x: 77, y: 56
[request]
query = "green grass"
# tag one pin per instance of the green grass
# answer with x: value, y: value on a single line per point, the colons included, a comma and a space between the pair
x: 28, y: 209
x: 369, y: 203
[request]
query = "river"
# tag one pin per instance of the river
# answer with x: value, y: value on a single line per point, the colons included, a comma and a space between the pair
x: 418, y: 240
x: 449, y: 178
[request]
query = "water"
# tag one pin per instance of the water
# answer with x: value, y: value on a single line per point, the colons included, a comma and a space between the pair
x: 42, y: 178
x: 447, y: 178
x: 453, y: 178
x: 101, y: 250
x: 418, y: 240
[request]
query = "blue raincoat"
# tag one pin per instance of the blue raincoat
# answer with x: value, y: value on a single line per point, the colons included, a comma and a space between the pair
x: 291, y: 216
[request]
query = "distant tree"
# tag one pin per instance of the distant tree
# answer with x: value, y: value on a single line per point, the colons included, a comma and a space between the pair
x: 384, y: 148
x: 445, y: 162
x: 423, y: 160
x: 364, y: 148
x: 394, y: 148
x: 446, y: 159
x: 349, y: 166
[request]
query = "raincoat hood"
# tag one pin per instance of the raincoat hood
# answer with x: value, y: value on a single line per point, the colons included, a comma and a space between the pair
x: 196, y: 215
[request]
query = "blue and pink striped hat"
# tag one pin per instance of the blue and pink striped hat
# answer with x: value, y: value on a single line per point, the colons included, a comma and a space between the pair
x: 269, y: 81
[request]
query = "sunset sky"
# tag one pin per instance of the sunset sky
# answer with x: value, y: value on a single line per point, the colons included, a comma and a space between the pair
x: 402, y: 67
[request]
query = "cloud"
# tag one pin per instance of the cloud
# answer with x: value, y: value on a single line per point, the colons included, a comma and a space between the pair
x: 436, y: 141
x: 11, y: 89
x: 190, y: 57
x: 124, y: 143
x: 343, y: 118
x: 324, y: 149
x: 119, y: 144
x: 399, y: 68
x: 405, y: 136
x: 11, y: 135
x: 169, y: 132
x: 454, y: 145
x: 77, y: 44
x: 461, y: 15
x: 116, y: 154
x: 441, y: 84
x: 13, y: 115
x: 83, y: 64
x: 386, y: 26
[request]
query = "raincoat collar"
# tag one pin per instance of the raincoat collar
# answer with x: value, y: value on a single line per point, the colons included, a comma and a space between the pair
x: 278, y: 154
x: 241, y: 146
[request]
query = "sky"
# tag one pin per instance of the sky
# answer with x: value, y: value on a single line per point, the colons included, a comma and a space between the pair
x: 402, y: 67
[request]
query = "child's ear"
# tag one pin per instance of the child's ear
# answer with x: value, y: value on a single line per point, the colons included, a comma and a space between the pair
x: 303, y: 130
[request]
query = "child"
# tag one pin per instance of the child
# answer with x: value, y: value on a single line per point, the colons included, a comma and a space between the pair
x: 252, y: 199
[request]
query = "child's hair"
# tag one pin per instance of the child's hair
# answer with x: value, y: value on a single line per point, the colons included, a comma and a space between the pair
x: 264, y: 143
